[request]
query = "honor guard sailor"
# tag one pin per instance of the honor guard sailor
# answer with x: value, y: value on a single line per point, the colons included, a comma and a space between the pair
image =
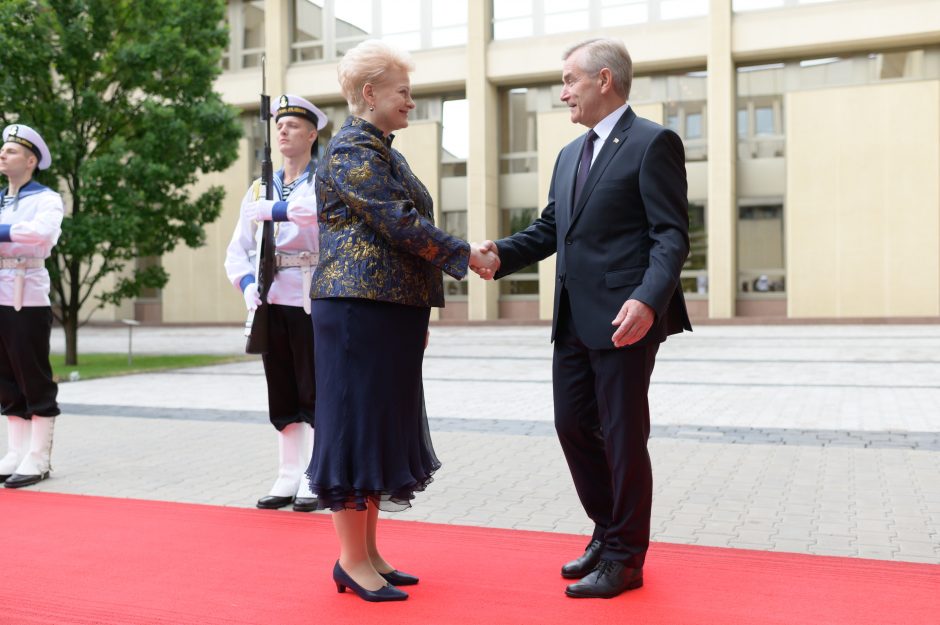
x: 288, y: 364
x: 30, y: 224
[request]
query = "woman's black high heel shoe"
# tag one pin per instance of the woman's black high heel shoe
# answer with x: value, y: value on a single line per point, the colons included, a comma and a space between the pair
x: 398, y: 578
x: 386, y: 593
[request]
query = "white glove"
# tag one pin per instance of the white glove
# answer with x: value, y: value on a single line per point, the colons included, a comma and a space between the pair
x: 259, y: 210
x: 252, y: 300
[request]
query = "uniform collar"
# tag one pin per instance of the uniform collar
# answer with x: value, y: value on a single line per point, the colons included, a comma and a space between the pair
x: 30, y: 188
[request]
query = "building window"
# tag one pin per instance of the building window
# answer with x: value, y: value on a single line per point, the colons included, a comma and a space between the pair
x: 512, y: 19
x: 740, y: 6
x: 455, y: 223
x: 448, y: 23
x: 307, y: 39
x: 524, y: 282
x: 245, y: 21
x: 526, y: 18
x: 687, y: 119
x: 761, y: 269
x: 694, y: 275
x: 401, y: 23
x: 624, y: 12
x: 254, y: 134
x: 354, y: 23
x: 760, y: 127
x: 252, y: 33
x: 562, y: 16
x: 327, y: 29
x: 519, y: 109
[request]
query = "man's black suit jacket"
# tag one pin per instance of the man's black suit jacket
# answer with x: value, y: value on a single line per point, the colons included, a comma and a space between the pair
x: 627, y: 237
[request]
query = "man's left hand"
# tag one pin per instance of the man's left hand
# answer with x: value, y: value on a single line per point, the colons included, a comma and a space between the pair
x: 634, y: 320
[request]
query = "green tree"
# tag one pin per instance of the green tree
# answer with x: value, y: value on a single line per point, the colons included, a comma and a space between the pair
x: 122, y: 91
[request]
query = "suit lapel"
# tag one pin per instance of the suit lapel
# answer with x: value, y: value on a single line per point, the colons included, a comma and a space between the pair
x: 567, y: 171
x: 616, y: 139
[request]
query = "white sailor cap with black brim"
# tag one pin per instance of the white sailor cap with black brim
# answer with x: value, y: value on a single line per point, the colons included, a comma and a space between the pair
x: 288, y: 105
x: 29, y: 139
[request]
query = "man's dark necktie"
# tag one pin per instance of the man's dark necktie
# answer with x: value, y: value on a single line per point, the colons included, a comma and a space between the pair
x: 587, y: 153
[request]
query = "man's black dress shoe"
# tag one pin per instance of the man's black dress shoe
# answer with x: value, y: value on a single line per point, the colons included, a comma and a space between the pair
x: 398, y: 578
x: 579, y: 567
x: 19, y: 481
x: 386, y: 593
x: 305, y: 504
x: 608, y: 580
x: 271, y: 502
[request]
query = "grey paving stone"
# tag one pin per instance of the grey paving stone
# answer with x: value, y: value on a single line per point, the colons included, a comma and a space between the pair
x: 851, y: 438
x: 922, y: 549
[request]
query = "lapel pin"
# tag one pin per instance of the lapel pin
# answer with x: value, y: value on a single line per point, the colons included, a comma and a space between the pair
x: 616, y: 140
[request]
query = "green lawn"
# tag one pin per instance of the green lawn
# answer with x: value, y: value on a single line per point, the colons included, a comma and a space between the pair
x: 105, y: 365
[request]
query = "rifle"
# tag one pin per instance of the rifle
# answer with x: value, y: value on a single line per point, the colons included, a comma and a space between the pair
x: 256, y: 326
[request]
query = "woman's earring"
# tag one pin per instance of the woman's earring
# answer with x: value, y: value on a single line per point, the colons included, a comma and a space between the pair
x: 371, y: 107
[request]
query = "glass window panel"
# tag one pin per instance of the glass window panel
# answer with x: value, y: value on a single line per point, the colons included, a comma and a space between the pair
x: 455, y: 134
x: 454, y: 290
x: 694, y: 272
x: 512, y: 221
x: 405, y: 41
x: 308, y: 53
x: 672, y: 122
x: 566, y: 22
x: 764, y: 120
x: 449, y: 36
x: 760, y: 249
x: 742, y: 123
x: 401, y: 16
x: 509, y: 286
x: 676, y: 9
x: 560, y: 6
x: 503, y: 9
x: 518, y: 131
x: 893, y: 65
x: 448, y: 13
x: 693, y: 126
x: 755, y: 5
x: 624, y: 15
x: 308, y: 20
x: 252, y: 33
x: 511, y: 29
x: 353, y: 17
x: 455, y: 223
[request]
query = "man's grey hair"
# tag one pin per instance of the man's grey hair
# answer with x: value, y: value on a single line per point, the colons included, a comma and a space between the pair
x: 610, y: 53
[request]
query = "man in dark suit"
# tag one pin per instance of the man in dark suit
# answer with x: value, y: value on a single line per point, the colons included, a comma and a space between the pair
x: 617, y: 216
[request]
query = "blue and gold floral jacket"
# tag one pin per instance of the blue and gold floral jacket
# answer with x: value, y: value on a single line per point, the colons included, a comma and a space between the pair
x: 377, y: 235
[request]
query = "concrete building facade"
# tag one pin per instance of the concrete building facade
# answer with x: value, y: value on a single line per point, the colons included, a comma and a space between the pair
x: 812, y: 133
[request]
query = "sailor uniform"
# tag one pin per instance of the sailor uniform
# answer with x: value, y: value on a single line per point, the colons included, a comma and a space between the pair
x: 30, y: 225
x: 289, y: 364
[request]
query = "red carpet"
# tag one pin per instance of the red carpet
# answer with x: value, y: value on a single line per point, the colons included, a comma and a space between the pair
x: 74, y: 560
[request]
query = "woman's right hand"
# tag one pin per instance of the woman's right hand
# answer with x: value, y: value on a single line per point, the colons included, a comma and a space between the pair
x: 484, y: 260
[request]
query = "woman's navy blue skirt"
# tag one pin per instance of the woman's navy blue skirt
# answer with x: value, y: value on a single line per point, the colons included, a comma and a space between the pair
x: 372, y: 441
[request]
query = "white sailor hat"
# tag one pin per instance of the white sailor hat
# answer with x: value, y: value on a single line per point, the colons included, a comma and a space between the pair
x: 287, y: 105
x: 30, y: 139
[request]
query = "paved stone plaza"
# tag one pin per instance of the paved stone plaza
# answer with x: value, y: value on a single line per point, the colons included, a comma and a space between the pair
x: 810, y: 439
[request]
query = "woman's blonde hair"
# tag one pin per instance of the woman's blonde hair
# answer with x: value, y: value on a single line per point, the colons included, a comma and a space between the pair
x: 366, y: 63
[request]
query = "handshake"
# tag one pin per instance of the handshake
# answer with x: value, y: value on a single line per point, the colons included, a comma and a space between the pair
x: 484, y: 259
